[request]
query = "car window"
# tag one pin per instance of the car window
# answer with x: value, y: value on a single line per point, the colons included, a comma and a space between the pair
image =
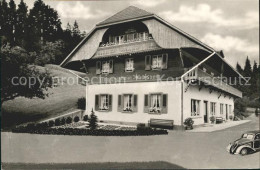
x: 244, y: 135
x: 257, y: 136
x: 250, y: 136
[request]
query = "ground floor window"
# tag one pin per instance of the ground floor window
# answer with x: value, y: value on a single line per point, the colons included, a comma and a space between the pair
x: 221, y: 109
x: 128, y: 102
x: 212, y: 108
x: 103, y: 102
x: 229, y: 109
x: 195, y: 107
x: 155, y: 103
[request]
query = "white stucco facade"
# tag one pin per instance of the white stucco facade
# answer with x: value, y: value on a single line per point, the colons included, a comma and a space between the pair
x: 174, y: 101
x: 205, y: 95
x: 172, y: 89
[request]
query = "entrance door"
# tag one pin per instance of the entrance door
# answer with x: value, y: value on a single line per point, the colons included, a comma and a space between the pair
x: 205, y: 111
x: 226, y: 112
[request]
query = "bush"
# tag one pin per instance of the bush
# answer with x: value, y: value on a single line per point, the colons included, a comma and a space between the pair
x: 30, y: 126
x: 93, y: 120
x: 212, y: 119
x: 76, y: 119
x: 85, y: 118
x: 189, y: 123
x: 51, y: 123
x: 57, y: 122
x: 82, y: 103
x: 141, y: 126
x: 98, y: 132
x: 231, y: 117
x: 63, y: 121
x: 69, y: 120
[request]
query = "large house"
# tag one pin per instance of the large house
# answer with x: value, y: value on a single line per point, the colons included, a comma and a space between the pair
x: 139, y: 67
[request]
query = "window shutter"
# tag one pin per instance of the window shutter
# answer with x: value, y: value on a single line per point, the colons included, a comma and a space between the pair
x: 111, y: 68
x: 120, y: 103
x: 109, y: 102
x: 135, y: 104
x: 164, y: 61
x: 146, y: 103
x: 164, y: 103
x: 148, y: 62
x: 98, y: 67
x: 96, y: 102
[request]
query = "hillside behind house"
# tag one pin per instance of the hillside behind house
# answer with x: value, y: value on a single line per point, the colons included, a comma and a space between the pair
x: 62, y: 99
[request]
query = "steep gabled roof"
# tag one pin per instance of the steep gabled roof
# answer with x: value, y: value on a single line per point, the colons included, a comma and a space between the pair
x: 129, y: 13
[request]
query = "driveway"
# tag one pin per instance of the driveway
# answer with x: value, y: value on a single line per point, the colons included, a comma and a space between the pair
x: 189, y: 150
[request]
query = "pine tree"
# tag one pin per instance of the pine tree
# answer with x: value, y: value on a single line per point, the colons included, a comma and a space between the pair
x: 93, y: 120
x: 21, y: 23
x: 248, y: 68
x: 239, y: 68
x: 11, y: 20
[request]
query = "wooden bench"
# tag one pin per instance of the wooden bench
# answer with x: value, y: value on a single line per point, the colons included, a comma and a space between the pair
x: 161, y: 123
x: 219, y: 120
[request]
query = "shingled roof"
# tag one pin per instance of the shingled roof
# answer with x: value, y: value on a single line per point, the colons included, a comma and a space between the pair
x: 129, y: 13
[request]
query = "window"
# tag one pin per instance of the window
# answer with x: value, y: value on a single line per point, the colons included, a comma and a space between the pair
x: 195, y: 107
x: 229, y: 109
x: 212, y: 108
x: 128, y: 102
x: 155, y: 103
x: 221, y: 108
x: 103, y: 102
x: 105, y: 67
x: 157, y: 62
x: 129, y: 65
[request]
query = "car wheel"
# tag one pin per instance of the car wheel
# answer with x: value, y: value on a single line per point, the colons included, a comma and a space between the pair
x: 244, y: 151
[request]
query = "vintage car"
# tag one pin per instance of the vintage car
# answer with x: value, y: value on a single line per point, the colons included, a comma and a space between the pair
x: 248, y: 143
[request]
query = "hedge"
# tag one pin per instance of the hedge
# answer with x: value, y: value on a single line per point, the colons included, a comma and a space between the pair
x: 85, y: 132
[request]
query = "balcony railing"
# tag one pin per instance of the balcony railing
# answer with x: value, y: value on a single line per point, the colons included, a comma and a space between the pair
x: 126, y: 48
x: 208, y: 79
x: 126, y: 41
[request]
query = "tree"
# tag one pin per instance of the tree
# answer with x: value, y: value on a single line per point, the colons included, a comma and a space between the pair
x: 43, y: 25
x: 19, y: 77
x: 248, y: 68
x: 239, y: 68
x: 21, y: 23
x: 93, y: 120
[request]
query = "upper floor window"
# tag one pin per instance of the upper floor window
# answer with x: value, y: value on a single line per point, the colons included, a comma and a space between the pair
x: 195, y: 107
x: 104, y: 67
x: 156, y: 62
x: 129, y: 65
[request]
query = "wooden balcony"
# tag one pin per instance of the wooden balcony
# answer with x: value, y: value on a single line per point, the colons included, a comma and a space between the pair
x: 126, y: 48
x: 209, y: 80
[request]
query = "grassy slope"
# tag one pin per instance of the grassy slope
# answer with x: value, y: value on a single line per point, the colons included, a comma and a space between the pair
x: 62, y: 99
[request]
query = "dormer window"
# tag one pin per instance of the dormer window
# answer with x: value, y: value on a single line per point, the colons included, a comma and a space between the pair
x: 129, y: 65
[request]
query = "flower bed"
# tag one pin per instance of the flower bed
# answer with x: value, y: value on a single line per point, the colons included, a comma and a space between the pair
x: 88, y: 132
x: 71, y: 125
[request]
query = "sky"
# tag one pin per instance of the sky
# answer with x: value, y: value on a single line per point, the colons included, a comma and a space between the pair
x: 228, y: 25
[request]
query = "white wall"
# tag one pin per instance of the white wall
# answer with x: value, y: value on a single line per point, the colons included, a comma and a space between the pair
x: 173, y: 89
x: 204, y: 94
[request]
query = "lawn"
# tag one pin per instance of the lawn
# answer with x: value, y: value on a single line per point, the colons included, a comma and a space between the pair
x: 62, y: 99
